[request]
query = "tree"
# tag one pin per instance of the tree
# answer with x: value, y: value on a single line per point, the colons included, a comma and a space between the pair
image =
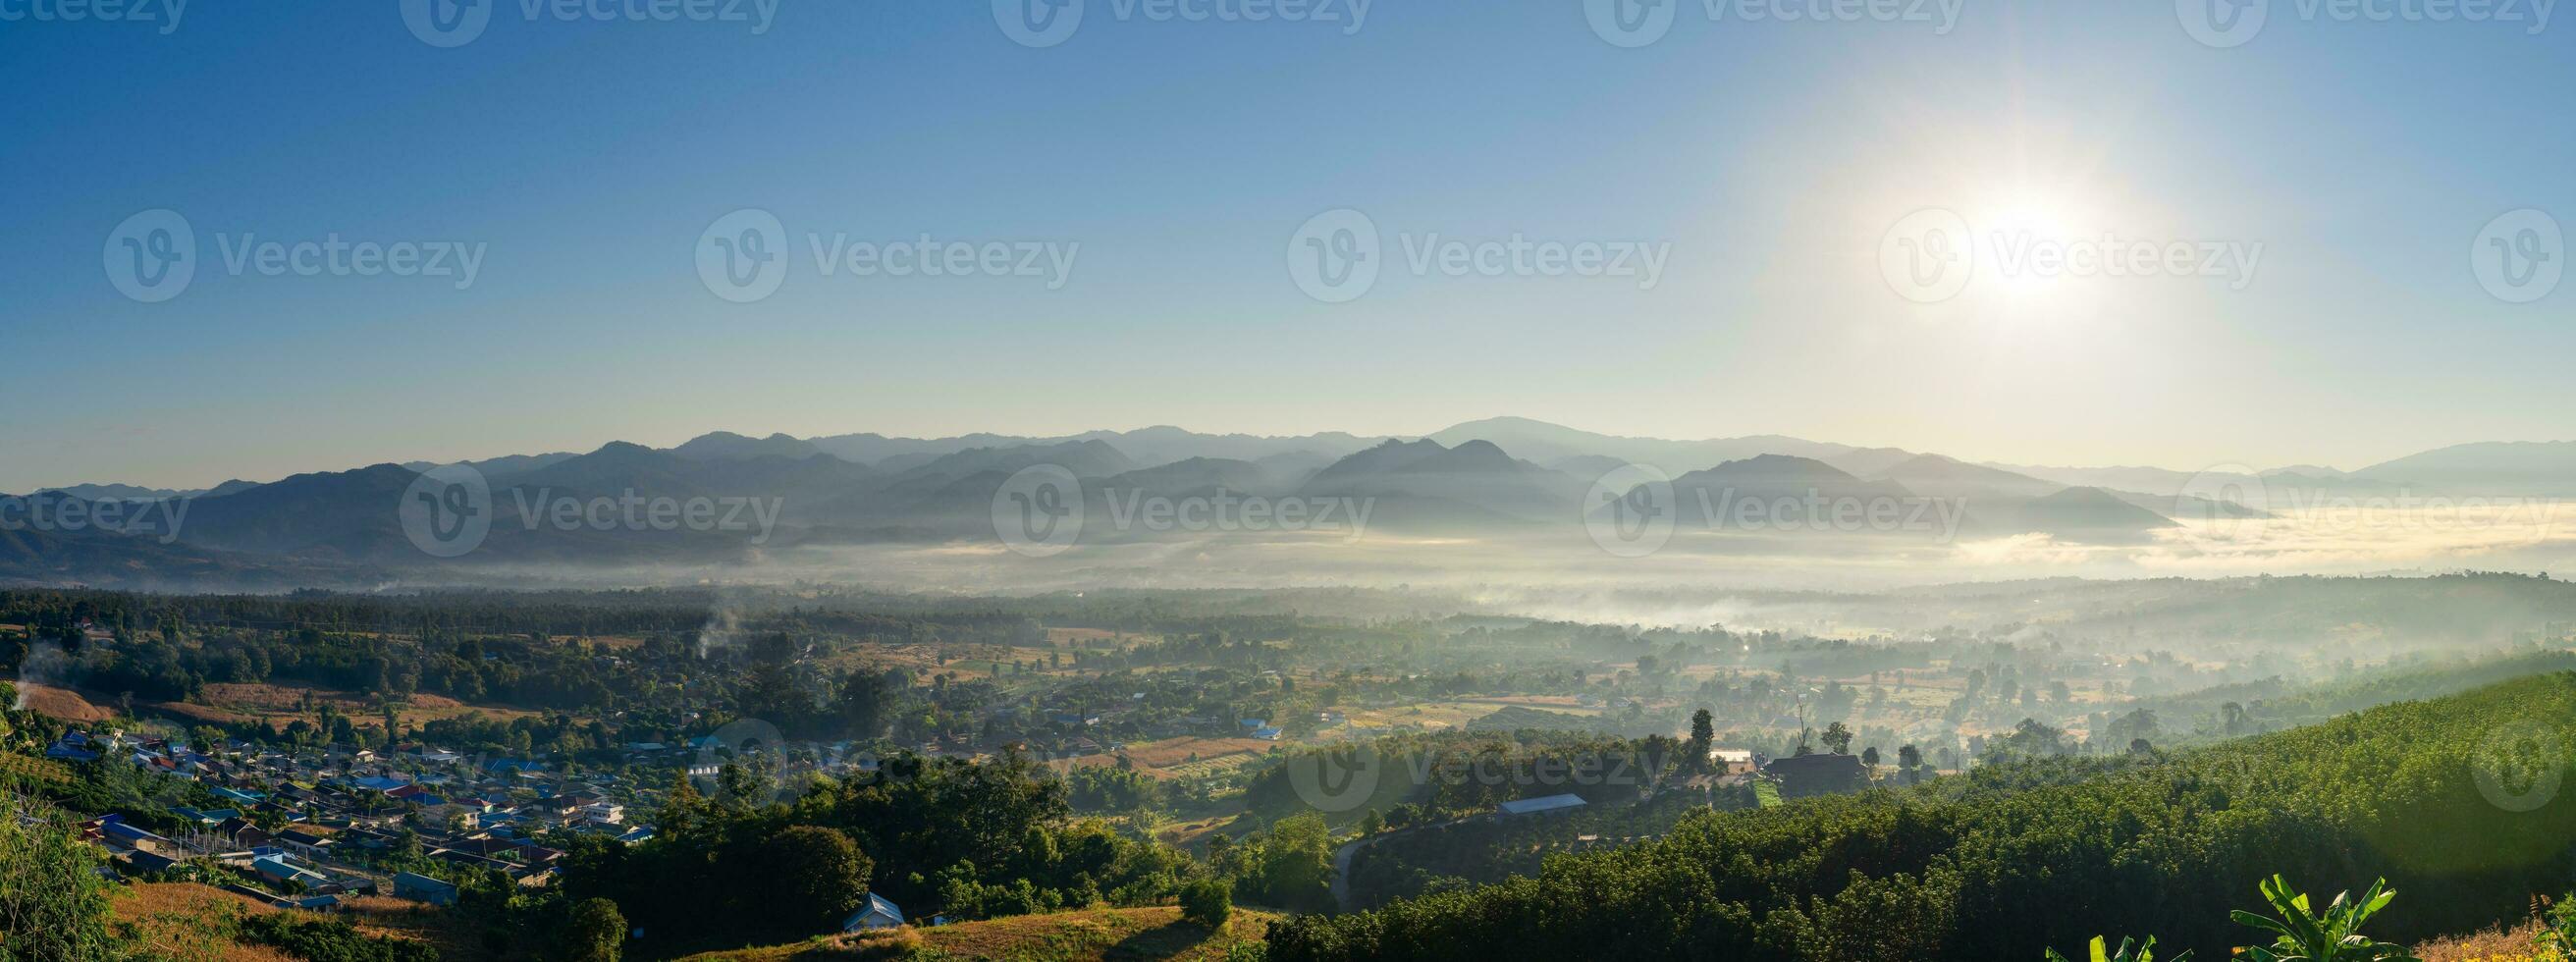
x: 1293, y: 867
x: 1838, y: 739
x: 1869, y: 756
x: 1207, y: 902
x: 1703, y: 734
x: 816, y: 877
x: 596, y: 932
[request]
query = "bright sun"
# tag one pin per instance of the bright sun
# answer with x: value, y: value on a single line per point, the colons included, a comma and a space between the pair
x: 2020, y: 238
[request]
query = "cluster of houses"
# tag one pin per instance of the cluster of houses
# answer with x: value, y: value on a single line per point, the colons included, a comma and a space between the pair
x: 309, y: 825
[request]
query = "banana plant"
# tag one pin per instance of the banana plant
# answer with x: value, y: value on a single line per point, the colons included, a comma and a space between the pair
x: 2143, y: 952
x: 2329, y: 936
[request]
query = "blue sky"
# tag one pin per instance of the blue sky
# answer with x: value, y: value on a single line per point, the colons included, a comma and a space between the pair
x: 1769, y: 161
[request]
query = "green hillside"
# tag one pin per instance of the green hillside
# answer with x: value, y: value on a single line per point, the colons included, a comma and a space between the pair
x: 2463, y: 803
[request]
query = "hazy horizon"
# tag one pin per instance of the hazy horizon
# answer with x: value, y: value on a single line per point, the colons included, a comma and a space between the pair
x: 26, y: 476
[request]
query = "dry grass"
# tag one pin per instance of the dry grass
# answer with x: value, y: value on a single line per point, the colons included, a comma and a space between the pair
x: 1094, y: 637
x: 1089, y: 935
x: 2493, y: 945
x: 181, y: 920
x: 279, y: 703
x: 185, y: 921
x: 1186, y: 833
x: 62, y: 703
x: 384, y: 915
x: 1171, y: 752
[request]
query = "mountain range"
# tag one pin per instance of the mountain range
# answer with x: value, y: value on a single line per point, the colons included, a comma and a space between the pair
x: 1497, y: 476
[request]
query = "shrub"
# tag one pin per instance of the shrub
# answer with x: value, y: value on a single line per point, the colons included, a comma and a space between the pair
x: 1207, y: 902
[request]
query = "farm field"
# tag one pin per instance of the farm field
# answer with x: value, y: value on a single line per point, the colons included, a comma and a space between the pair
x: 274, y: 703
x: 1437, y: 715
x: 1173, y: 758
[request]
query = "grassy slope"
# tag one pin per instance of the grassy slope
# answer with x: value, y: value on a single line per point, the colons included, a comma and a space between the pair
x: 1080, y: 936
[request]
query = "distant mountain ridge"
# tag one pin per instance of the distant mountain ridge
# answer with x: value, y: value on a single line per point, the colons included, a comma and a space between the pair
x: 1491, y: 477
